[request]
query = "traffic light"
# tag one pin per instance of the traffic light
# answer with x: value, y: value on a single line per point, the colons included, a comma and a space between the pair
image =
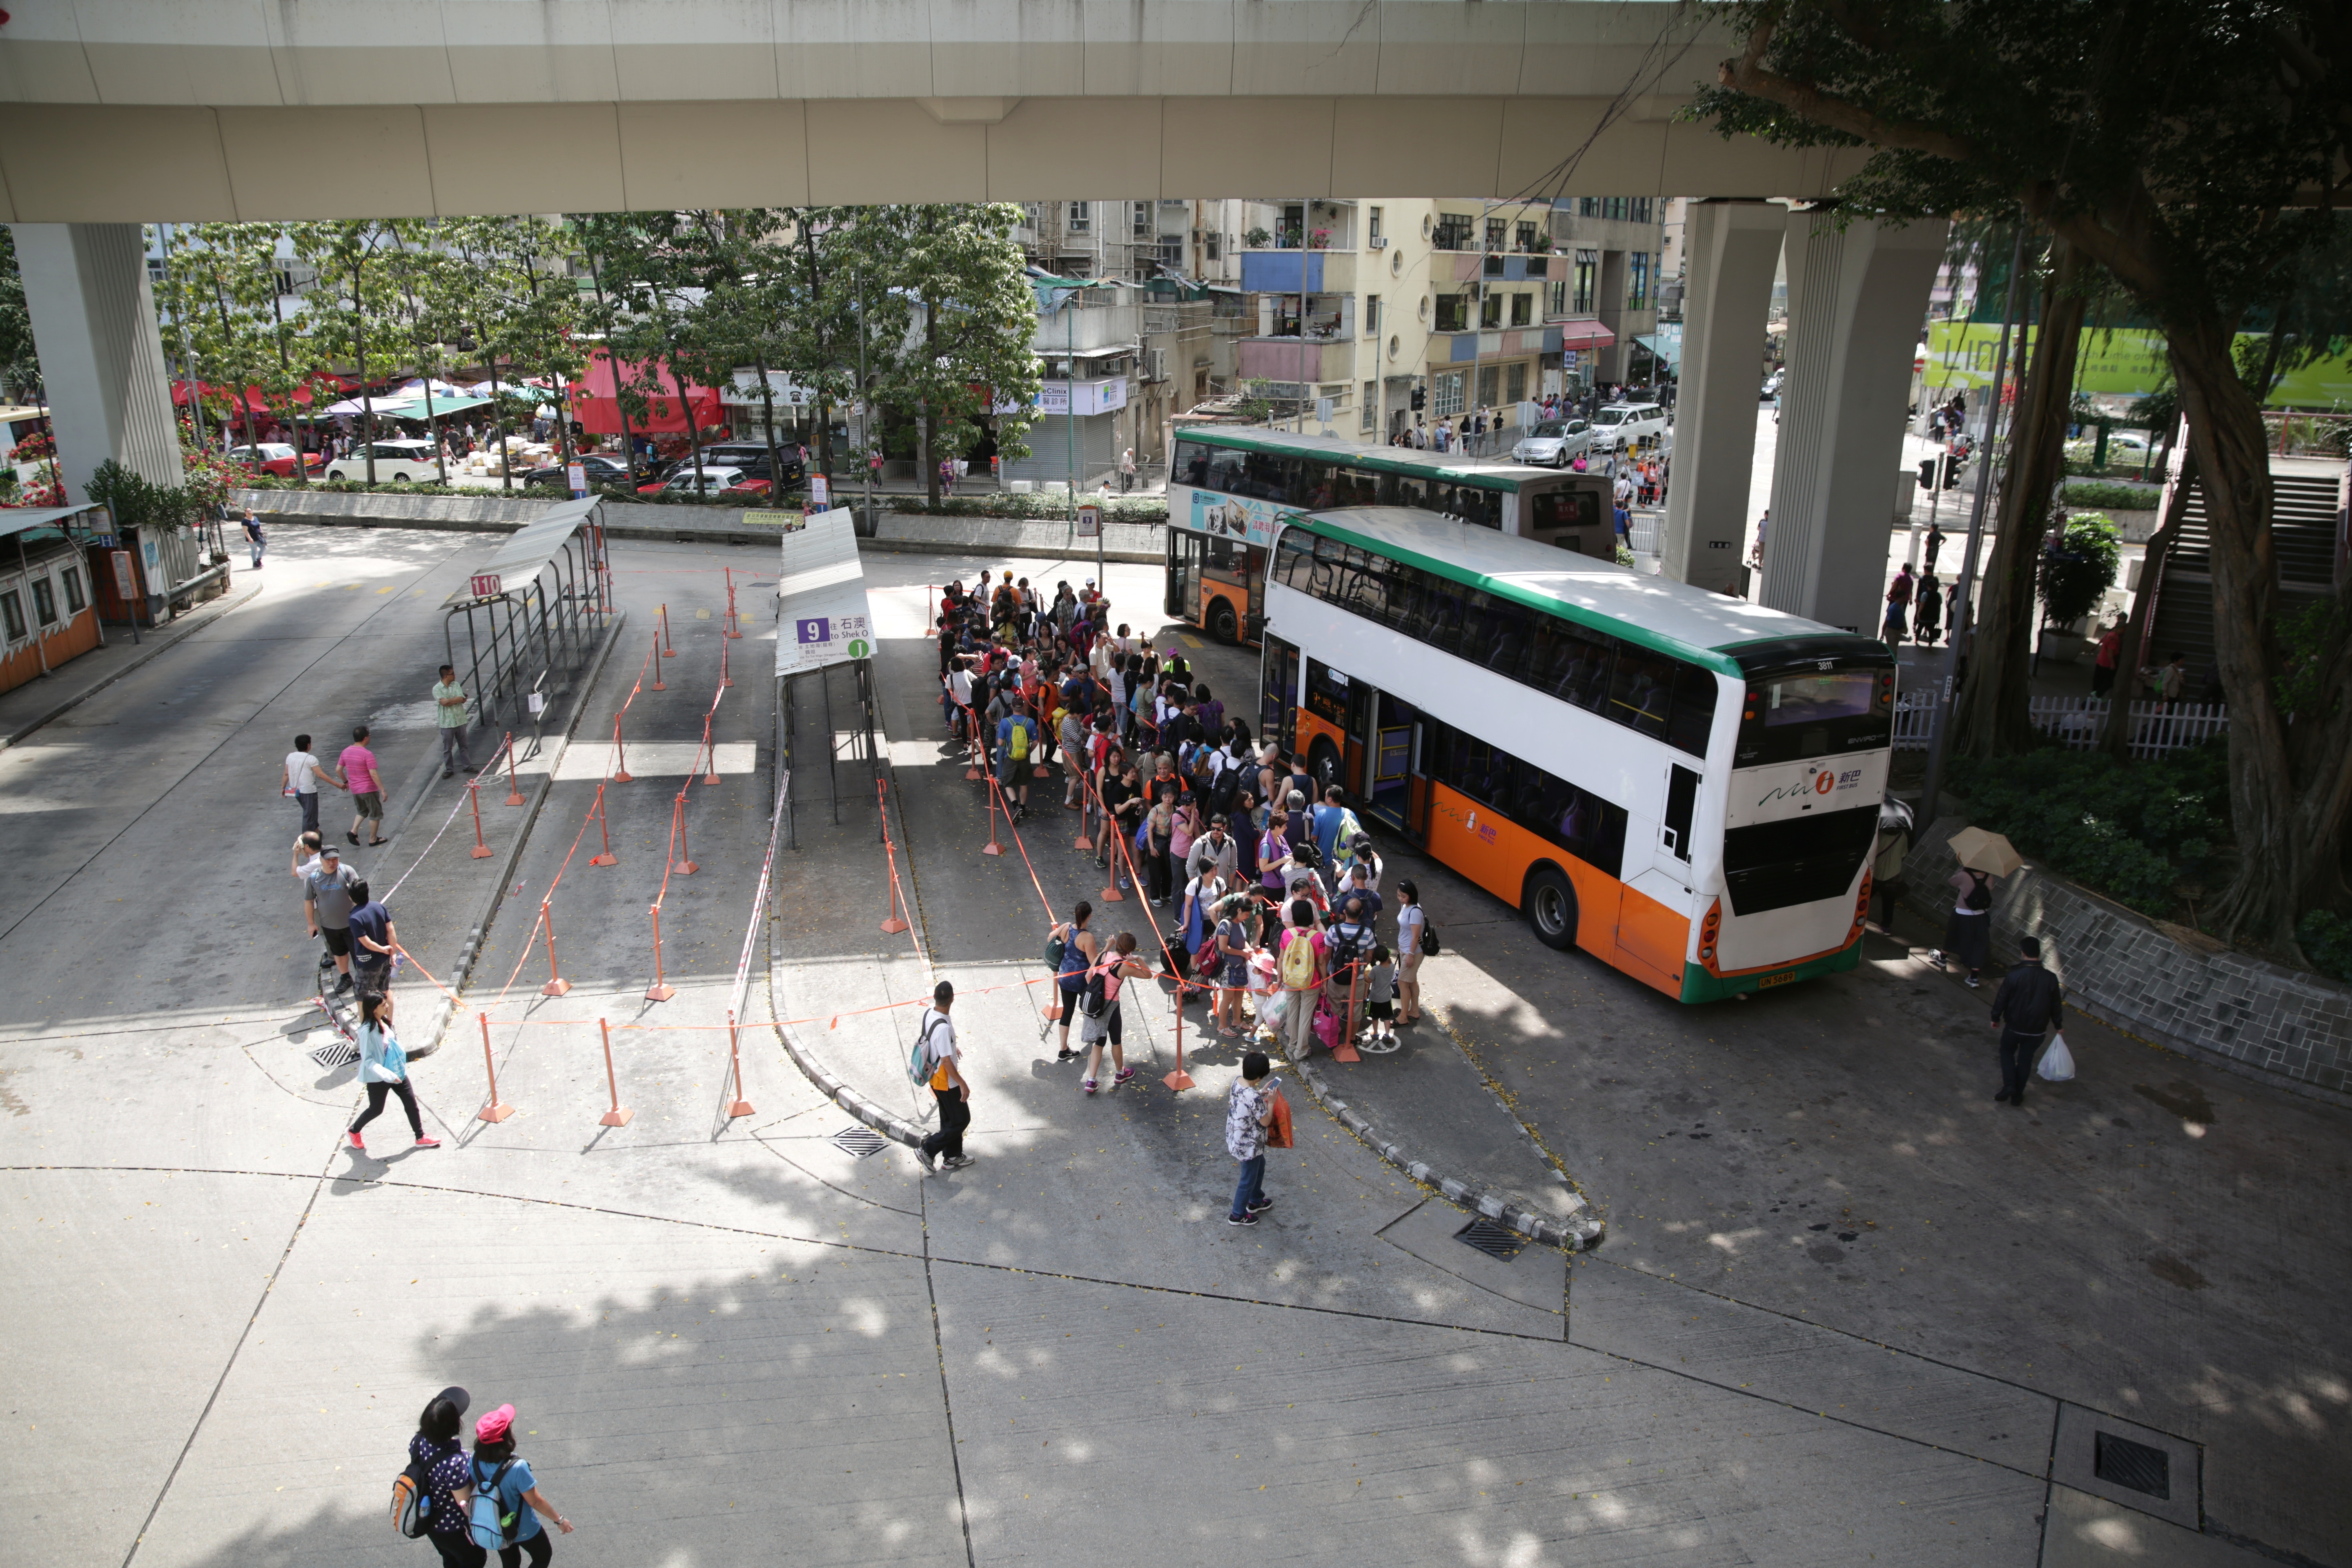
x: 1952, y: 462
x: 1926, y: 473
x: 1420, y: 398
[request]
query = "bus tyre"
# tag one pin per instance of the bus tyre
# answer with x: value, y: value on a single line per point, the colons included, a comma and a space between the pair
x: 1323, y: 767
x: 1551, y: 905
x: 1222, y: 624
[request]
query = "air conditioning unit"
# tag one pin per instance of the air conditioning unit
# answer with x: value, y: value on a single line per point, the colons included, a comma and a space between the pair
x: 1379, y: 242
x: 1155, y: 364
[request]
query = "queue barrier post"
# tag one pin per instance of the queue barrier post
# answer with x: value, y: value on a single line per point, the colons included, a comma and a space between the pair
x: 738, y: 1106
x: 708, y: 750
x: 604, y: 831
x: 482, y: 851
x: 725, y: 679
x: 621, y: 773
x: 891, y: 924
x: 556, y: 984
x: 514, y: 790
x: 972, y: 773
x: 668, y: 649
x: 494, y: 1110
x: 655, y: 661
x: 993, y: 846
x: 685, y: 866
x: 659, y: 990
x: 732, y: 619
x: 1179, y: 1081
x: 1345, y: 1051
x: 617, y: 1117
x: 1085, y: 810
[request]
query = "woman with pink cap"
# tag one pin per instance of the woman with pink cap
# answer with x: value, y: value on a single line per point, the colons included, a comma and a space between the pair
x: 506, y: 1494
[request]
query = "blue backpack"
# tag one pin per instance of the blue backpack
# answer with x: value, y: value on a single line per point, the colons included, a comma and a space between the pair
x: 494, y: 1517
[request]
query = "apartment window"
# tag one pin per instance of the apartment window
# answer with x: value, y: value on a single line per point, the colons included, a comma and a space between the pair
x: 1558, y: 305
x: 1498, y: 233
x: 45, y: 601
x: 1588, y: 206
x: 1371, y: 315
x: 1081, y: 216
x: 1029, y: 214
x: 1210, y: 243
x: 1637, y: 280
x: 1452, y: 231
x: 1587, y: 279
x: 1490, y: 383
x: 1490, y: 311
x: 1452, y: 312
x: 1527, y: 238
x: 1372, y: 224
x: 1371, y: 396
x: 1143, y: 220
x: 1516, y: 379
x: 1641, y: 209
x: 1523, y: 310
x: 1444, y: 398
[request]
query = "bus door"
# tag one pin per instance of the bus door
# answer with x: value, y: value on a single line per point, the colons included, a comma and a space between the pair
x: 1363, y: 721
x: 1185, y: 550
x: 1277, y: 711
x: 1394, y: 792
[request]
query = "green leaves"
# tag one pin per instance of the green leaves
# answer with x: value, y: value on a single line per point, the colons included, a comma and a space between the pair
x: 2129, y: 832
x: 2075, y: 579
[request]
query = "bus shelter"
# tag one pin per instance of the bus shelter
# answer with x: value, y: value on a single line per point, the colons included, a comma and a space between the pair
x: 532, y: 614
x: 825, y: 635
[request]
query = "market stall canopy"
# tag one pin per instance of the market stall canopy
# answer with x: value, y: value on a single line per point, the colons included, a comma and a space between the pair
x: 821, y: 612
x: 1667, y: 346
x: 252, y: 400
x: 596, y: 401
x: 528, y: 551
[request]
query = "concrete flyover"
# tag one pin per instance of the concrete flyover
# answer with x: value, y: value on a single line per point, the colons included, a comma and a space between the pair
x: 125, y: 110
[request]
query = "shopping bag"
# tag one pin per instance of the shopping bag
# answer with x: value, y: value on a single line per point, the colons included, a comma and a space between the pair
x: 1279, y: 1135
x: 2057, y: 1062
x: 1327, y: 1026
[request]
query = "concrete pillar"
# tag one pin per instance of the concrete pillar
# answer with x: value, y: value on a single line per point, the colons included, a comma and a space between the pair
x: 1857, y: 297
x: 1732, y: 249
x: 101, y: 360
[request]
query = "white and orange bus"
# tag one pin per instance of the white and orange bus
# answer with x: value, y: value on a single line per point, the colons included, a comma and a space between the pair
x: 1229, y: 484
x: 1685, y: 785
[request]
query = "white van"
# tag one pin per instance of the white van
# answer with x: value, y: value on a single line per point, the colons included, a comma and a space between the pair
x: 1617, y: 425
x: 411, y: 462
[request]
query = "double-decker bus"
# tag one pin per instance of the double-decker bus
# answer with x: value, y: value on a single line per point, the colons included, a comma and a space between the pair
x: 1227, y: 485
x: 1686, y: 785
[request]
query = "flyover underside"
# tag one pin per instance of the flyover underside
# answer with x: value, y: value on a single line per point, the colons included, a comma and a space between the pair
x: 84, y: 162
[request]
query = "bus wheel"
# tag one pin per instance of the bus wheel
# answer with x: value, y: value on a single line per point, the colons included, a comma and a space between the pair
x: 1550, y: 904
x: 1323, y: 767
x: 1222, y: 624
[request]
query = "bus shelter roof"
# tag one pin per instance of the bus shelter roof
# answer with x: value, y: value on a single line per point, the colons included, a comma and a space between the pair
x: 528, y: 551
x: 821, y: 611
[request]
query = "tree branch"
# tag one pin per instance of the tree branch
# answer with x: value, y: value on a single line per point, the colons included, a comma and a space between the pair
x: 1747, y: 75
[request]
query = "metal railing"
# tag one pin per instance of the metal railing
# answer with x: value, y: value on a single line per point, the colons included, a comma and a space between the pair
x: 2075, y: 722
x: 525, y: 646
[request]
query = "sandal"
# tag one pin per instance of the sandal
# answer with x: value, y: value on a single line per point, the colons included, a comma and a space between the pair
x: 374, y: 842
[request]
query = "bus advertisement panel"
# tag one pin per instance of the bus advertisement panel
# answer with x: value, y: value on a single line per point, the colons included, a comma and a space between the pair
x: 1686, y: 785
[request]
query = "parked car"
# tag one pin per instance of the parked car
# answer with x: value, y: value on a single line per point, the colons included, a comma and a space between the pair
x: 752, y: 458
x: 602, y: 470
x: 1773, y: 386
x: 714, y: 479
x: 411, y: 462
x: 273, y: 458
x: 1618, y: 425
x: 1553, y: 443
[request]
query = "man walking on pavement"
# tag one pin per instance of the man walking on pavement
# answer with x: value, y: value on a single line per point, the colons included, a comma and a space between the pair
x: 299, y: 777
x: 373, y: 938
x: 326, y: 901
x: 449, y: 706
x: 945, y: 1147
x: 2029, y: 1002
x: 253, y: 536
x: 360, y: 777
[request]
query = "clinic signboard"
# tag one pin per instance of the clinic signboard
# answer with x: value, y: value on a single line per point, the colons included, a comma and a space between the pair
x: 1083, y: 398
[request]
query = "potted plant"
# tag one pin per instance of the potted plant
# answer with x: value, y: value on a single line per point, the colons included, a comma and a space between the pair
x: 1257, y: 239
x: 1319, y: 240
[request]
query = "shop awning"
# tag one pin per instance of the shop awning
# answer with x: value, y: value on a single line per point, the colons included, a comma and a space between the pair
x: 252, y: 400
x: 595, y: 403
x: 1585, y: 335
x: 1668, y: 350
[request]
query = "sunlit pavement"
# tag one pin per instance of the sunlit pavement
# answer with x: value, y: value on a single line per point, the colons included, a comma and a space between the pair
x: 731, y: 1337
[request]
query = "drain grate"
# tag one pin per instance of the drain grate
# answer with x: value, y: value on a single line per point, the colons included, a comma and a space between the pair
x: 336, y: 1054
x: 2122, y: 1462
x: 1495, y: 1241
x: 859, y: 1141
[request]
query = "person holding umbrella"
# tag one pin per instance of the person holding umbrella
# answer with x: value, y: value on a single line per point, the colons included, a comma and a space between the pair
x: 1984, y: 858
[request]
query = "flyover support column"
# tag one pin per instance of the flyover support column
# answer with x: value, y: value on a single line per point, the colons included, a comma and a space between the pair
x: 1733, y: 248
x: 93, y: 320
x: 1857, y: 297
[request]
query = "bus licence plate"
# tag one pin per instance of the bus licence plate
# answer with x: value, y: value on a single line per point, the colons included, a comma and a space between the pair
x: 1771, y: 980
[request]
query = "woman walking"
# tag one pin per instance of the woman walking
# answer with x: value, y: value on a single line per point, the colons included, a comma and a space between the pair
x: 1411, y: 922
x: 508, y: 1493
x: 1098, y: 1009
x: 440, y: 1452
x: 384, y: 1069
x: 1078, y: 955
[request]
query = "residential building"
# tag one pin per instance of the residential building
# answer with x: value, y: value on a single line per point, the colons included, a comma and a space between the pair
x: 1611, y: 249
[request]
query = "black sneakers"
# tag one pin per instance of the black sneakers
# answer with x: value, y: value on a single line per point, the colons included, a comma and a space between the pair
x: 1241, y: 1219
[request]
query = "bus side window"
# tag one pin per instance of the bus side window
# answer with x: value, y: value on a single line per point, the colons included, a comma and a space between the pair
x: 1193, y: 463
x: 1694, y: 714
x: 1482, y: 508
x: 1584, y: 681
x: 1641, y: 689
x: 1507, y: 638
x: 1404, y: 489
x: 1330, y: 571
x: 1289, y: 559
x: 1359, y: 486
x: 1443, y: 619
x: 1371, y: 597
x: 1549, y: 653
x: 1225, y: 472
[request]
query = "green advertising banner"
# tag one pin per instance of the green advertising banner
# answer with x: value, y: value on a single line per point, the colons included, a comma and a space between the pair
x: 2115, y: 361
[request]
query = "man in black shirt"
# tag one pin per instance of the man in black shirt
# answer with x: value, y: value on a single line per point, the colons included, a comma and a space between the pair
x: 2028, y: 1004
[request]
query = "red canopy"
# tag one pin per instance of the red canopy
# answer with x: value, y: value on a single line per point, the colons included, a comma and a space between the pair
x: 595, y: 403
x: 254, y: 399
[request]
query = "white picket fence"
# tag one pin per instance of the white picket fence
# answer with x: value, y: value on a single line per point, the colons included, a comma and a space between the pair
x: 2075, y: 722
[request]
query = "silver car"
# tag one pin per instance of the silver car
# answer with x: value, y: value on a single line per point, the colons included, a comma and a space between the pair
x: 1553, y: 443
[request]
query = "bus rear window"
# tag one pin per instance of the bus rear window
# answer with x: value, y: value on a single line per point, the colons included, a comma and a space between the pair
x: 1813, y: 699
x: 1564, y: 508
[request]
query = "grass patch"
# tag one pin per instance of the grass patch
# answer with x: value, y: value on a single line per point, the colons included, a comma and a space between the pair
x: 2101, y: 496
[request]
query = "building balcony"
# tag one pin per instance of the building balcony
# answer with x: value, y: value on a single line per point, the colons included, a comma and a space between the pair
x: 1299, y: 271
x: 1294, y: 359
x: 1080, y: 327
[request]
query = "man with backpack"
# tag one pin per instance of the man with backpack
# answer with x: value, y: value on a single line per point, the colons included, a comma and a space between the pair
x: 1016, y: 737
x: 1351, y: 946
x: 937, y: 1062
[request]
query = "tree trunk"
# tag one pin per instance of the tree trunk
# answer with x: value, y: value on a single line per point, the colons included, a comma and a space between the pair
x: 367, y: 399
x: 824, y: 356
x: 1990, y: 718
x: 2289, y: 790
x: 2116, y: 739
x: 498, y: 412
x: 685, y: 405
x: 923, y: 408
x: 768, y: 416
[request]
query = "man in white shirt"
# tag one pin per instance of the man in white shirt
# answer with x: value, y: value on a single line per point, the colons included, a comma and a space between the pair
x: 299, y: 777
x: 946, y: 1082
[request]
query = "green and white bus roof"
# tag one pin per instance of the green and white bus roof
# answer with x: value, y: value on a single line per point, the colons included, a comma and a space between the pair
x: 1383, y: 459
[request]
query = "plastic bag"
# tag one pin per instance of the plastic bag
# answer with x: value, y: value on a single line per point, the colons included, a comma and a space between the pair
x: 2057, y: 1062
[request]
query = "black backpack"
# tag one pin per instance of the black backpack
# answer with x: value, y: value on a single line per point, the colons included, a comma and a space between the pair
x: 1096, y: 1001
x: 1981, y: 895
